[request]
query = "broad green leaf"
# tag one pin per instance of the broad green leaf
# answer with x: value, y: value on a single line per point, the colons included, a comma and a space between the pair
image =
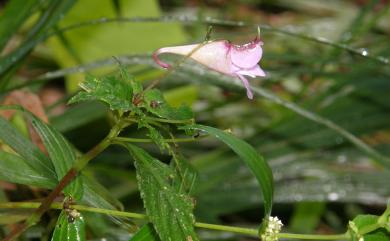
x: 69, y: 227
x: 13, y: 16
x: 36, y: 159
x: 169, y: 211
x: 61, y: 153
x: 252, y: 159
x: 153, y: 133
x: 146, y: 233
x: 155, y: 103
x: 15, y: 169
x: 185, y: 175
x: 116, y: 92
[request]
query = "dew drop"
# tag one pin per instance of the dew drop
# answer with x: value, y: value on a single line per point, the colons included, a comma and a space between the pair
x: 364, y: 52
x: 383, y: 59
x: 333, y: 196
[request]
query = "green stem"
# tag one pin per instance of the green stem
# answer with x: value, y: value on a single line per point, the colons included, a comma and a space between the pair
x: 343, y: 236
x: 163, y: 120
x: 232, y: 229
x: 246, y: 231
x: 114, y: 132
x: 146, y: 140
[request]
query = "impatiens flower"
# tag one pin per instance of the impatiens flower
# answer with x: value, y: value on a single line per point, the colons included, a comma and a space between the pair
x: 224, y: 57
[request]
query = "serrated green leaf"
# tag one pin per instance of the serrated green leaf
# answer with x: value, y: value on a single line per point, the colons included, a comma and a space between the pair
x: 69, y: 228
x: 61, y: 153
x: 258, y: 166
x: 153, y: 134
x: 116, y: 92
x: 146, y: 233
x: 136, y: 86
x: 157, y: 105
x: 185, y: 175
x: 169, y: 211
x: 14, y: 169
x: 21, y: 145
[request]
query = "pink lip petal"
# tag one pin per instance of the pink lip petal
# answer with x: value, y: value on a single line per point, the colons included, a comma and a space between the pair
x: 247, y: 86
x: 253, y: 72
x: 246, y: 56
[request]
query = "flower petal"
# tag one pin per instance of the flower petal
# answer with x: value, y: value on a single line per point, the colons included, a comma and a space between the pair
x: 247, y: 86
x: 253, y: 72
x: 214, y: 55
x: 246, y: 56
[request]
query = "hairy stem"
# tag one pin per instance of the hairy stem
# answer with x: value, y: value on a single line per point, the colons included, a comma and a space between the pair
x: 146, y: 140
x: 232, y: 229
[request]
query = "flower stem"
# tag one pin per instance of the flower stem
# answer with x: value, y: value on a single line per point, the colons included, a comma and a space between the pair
x: 146, y: 140
x: 148, y: 118
x: 232, y: 229
x: 240, y: 230
x: 343, y: 236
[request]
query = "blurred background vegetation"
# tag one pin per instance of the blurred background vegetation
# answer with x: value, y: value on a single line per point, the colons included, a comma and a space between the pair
x: 329, y: 57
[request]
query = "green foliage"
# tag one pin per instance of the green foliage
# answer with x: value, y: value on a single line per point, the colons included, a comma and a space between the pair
x: 116, y: 92
x: 51, y: 14
x: 146, y: 233
x: 186, y: 175
x: 15, y: 169
x: 78, y: 115
x: 13, y: 16
x: 361, y: 223
x: 36, y: 159
x: 155, y: 103
x: 61, y: 154
x: 80, y: 45
x: 320, y: 119
x: 169, y: 211
x: 258, y: 166
x: 69, y: 227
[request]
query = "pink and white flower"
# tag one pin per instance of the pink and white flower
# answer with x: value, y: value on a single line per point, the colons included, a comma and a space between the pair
x: 224, y: 57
